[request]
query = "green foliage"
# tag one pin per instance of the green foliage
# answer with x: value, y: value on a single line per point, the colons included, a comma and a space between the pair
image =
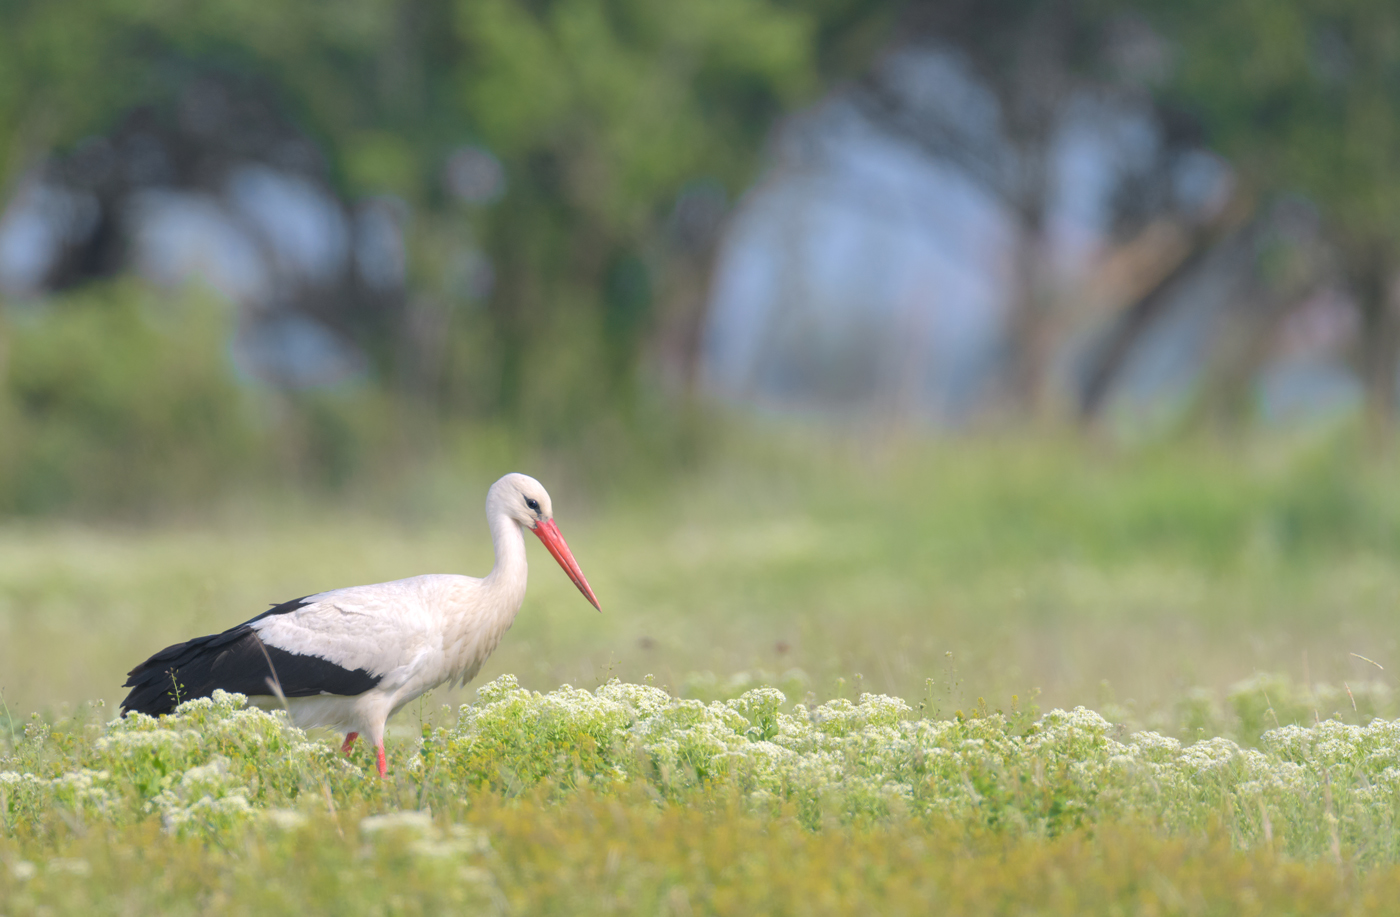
x: 601, y: 112
x: 110, y: 399
x: 1302, y: 96
x: 117, y: 401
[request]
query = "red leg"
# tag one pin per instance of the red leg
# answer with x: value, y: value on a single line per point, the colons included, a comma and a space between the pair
x: 349, y: 741
x: 383, y: 770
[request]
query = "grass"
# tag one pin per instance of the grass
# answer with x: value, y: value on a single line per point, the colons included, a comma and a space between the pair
x: 939, y: 574
x: 597, y: 856
x: 1209, y: 594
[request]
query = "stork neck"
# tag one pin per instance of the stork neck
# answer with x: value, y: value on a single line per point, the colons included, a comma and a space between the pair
x: 510, y: 570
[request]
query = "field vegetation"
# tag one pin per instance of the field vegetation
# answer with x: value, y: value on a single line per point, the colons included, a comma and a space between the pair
x: 1045, y: 671
x: 995, y: 675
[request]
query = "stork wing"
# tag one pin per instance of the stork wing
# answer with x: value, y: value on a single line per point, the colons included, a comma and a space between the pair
x: 376, y: 629
x: 343, y: 642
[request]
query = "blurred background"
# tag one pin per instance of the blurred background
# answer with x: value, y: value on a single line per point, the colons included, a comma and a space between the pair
x: 859, y: 337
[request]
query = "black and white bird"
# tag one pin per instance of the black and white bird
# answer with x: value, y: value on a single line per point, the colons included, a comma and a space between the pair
x: 349, y: 659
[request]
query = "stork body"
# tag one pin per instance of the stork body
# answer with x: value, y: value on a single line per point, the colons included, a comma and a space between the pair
x: 350, y: 658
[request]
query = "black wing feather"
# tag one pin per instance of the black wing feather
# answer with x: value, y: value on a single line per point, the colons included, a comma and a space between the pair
x: 236, y: 660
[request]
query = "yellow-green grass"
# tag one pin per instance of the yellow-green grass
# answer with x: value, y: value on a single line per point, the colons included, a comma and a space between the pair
x: 598, y: 856
x: 941, y: 574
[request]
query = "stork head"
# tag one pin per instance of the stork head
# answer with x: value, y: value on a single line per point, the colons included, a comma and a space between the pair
x: 524, y: 500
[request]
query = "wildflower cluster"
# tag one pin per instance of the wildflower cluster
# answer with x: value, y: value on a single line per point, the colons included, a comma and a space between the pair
x: 874, y: 760
x: 1264, y: 701
x: 214, y: 764
x: 217, y: 764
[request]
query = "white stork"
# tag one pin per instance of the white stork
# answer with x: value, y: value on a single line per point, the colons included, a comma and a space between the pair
x: 351, y: 658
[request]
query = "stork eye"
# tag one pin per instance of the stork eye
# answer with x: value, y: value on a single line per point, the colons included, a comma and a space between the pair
x: 533, y: 504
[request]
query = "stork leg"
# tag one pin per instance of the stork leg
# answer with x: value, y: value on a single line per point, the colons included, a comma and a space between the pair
x: 383, y: 769
x: 350, y: 738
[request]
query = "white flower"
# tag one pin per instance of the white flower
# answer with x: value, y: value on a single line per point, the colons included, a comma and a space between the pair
x: 70, y: 866
x: 214, y: 772
x: 413, y: 821
x: 285, y: 819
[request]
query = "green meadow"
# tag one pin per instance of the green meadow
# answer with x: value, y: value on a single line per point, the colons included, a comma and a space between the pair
x: 987, y: 675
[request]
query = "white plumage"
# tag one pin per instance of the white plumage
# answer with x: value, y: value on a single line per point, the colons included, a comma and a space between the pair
x: 350, y: 658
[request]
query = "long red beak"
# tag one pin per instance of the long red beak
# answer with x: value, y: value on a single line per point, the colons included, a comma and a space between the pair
x: 549, y: 534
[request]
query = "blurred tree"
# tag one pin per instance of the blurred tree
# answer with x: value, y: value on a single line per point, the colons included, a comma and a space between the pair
x: 116, y: 402
x: 1300, y: 96
x: 543, y: 147
x: 1304, y: 97
x: 1036, y: 55
x: 602, y: 113
x: 1026, y: 70
x: 568, y: 163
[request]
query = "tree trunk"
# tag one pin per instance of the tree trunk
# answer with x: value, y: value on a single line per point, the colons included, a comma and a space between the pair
x: 1376, y: 355
x: 1108, y: 360
x: 1030, y: 331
